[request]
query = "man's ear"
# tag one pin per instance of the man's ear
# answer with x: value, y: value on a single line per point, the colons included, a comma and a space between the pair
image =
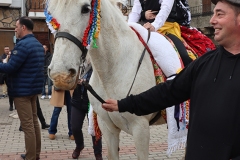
x: 238, y: 20
x: 23, y: 27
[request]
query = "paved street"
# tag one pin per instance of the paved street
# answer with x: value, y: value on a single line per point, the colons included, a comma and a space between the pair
x: 12, y: 140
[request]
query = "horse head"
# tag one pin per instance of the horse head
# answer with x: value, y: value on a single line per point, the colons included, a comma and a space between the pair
x: 67, y: 20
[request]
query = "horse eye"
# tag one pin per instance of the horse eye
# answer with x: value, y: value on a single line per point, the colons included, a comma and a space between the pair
x: 86, y: 8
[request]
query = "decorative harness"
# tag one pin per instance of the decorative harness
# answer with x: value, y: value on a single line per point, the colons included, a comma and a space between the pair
x: 91, y: 32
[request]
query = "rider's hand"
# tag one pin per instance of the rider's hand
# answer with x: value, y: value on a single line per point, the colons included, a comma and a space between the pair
x: 80, y: 81
x: 110, y: 105
x: 149, y: 14
x: 149, y: 26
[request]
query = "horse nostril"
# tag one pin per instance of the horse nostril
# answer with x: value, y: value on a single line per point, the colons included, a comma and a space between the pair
x: 72, y: 72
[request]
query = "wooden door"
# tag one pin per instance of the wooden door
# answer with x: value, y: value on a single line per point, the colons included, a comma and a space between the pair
x: 42, y: 37
x: 6, y: 39
x: 36, y: 4
x: 206, y: 6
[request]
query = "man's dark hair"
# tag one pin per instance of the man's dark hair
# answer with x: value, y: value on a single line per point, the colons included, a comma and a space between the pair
x: 6, y: 46
x: 26, y: 21
x: 234, y: 4
x: 236, y: 9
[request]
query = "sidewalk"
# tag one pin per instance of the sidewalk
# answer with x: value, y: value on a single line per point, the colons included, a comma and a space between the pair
x: 12, y: 140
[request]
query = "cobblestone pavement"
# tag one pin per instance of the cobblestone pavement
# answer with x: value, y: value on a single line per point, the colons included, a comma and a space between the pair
x: 12, y: 140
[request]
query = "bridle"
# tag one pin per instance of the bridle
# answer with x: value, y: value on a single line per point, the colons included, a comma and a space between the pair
x: 84, y: 54
x: 91, y: 32
x: 79, y: 44
x: 74, y: 40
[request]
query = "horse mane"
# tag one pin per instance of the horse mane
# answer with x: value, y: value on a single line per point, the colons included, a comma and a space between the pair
x: 59, y: 4
x: 124, y: 2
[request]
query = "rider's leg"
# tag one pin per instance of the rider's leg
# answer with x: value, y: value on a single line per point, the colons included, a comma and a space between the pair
x: 181, y: 49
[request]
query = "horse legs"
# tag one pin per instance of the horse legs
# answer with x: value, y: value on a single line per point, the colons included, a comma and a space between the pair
x: 111, y: 136
x: 141, y: 136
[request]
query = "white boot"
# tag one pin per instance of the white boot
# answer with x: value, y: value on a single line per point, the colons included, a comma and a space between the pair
x: 12, y: 114
x: 15, y: 116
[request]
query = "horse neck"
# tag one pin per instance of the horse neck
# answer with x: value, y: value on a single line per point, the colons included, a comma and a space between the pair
x: 118, y: 46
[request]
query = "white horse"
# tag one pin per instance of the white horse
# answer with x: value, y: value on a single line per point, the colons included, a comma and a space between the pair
x: 114, y: 65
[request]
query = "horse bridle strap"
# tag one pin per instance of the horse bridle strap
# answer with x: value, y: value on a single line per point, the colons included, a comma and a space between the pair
x: 74, y: 40
x: 140, y: 60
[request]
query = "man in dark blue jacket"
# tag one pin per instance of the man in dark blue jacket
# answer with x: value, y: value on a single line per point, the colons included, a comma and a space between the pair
x: 25, y: 81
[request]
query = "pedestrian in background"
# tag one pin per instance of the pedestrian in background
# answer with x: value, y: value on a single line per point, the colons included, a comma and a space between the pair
x: 80, y: 104
x: 59, y: 99
x: 4, y: 86
x: 25, y: 80
x: 48, y: 58
x: 5, y: 57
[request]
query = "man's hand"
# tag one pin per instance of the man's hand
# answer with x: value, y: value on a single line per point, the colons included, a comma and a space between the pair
x: 149, y: 14
x: 81, y: 80
x: 149, y: 26
x: 110, y: 105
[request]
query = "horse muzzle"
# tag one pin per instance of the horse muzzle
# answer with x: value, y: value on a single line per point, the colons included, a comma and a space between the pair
x: 63, y: 80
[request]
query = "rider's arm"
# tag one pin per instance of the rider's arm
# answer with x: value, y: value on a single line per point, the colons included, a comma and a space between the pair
x: 166, y: 7
x: 135, y: 14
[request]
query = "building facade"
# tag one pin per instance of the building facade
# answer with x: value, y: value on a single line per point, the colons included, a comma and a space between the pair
x: 201, y: 12
x: 11, y: 10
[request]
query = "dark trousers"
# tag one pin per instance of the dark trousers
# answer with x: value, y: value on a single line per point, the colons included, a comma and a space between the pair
x: 49, y: 84
x: 77, y: 119
x: 181, y: 49
x: 39, y: 113
x: 11, y: 101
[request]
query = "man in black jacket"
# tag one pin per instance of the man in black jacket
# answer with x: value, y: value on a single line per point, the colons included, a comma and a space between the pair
x: 79, y: 110
x: 47, y: 61
x: 212, y: 84
x: 4, y: 86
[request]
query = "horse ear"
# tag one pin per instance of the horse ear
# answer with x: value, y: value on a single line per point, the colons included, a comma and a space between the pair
x: 113, y: 2
x: 124, y: 2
